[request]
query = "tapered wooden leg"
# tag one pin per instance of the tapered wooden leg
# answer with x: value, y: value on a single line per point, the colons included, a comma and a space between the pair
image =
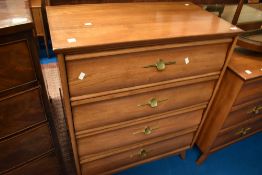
x: 182, y: 155
x: 201, y: 159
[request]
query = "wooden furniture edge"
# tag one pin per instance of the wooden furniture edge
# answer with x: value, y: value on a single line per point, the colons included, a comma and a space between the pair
x: 68, y: 112
x: 210, y: 124
x: 228, y: 56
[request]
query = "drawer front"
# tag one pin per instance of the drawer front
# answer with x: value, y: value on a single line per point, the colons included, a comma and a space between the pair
x: 46, y: 165
x: 126, y: 108
x: 136, y: 155
x: 16, y: 67
x: 21, y: 111
x: 24, y: 147
x: 250, y: 91
x: 136, y: 133
x: 248, y: 112
x: 238, y: 133
x: 133, y: 69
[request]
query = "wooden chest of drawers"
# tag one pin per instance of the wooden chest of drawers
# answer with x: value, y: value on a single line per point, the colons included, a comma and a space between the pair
x: 136, y: 78
x: 27, y: 142
x: 236, y: 111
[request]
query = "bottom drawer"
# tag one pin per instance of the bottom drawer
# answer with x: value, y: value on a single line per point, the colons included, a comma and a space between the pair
x: 24, y: 147
x: 138, y: 155
x: 45, y: 165
x: 229, y: 136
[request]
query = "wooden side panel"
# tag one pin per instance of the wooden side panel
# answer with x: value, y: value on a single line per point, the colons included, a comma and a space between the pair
x: 21, y: 111
x: 37, y: 16
x: 23, y: 147
x: 220, y: 108
x: 47, y: 164
x: 16, y: 67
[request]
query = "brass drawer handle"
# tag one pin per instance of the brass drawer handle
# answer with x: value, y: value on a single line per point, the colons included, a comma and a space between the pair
x: 146, y: 131
x: 143, y: 153
x: 153, y: 102
x: 243, y: 131
x: 160, y: 65
x: 256, y: 110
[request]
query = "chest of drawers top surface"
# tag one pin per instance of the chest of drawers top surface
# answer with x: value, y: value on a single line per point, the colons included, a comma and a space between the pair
x: 246, y: 64
x: 115, y: 25
x: 14, y: 16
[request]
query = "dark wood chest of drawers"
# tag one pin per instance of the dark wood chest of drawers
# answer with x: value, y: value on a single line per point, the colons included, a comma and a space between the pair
x: 136, y: 78
x: 26, y: 139
x: 236, y: 111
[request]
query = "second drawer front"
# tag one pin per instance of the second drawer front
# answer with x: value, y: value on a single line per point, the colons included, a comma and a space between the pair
x: 237, y: 133
x: 126, y: 108
x: 248, y: 112
x: 136, y: 155
x: 24, y: 147
x: 133, y: 69
x: 122, y: 137
x: 21, y: 111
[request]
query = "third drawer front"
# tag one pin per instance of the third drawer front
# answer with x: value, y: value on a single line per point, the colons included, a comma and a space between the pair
x: 231, y: 135
x: 97, y: 143
x: 247, y: 112
x: 138, y: 155
x: 122, y: 109
x: 134, y: 69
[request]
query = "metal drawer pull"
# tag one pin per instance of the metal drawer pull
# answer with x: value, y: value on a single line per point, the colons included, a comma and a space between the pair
x: 256, y: 110
x: 160, y: 65
x: 147, y: 130
x: 143, y: 153
x: 153, y: 102
x: 243, y: 131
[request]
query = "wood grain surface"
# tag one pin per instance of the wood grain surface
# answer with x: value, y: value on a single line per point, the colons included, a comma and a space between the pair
x: 130, y: 23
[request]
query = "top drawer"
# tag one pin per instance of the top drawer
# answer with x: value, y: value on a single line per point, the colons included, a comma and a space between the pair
x: 250, y: 91
x: 16, y: 67
x: 121, y: 70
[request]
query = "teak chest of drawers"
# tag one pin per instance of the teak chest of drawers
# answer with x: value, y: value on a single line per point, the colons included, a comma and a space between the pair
x: 136, y: 78
x: 27, y: 142
x: 236, y: 111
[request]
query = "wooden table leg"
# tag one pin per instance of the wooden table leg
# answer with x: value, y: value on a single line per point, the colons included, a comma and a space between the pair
x: 182, y: 155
